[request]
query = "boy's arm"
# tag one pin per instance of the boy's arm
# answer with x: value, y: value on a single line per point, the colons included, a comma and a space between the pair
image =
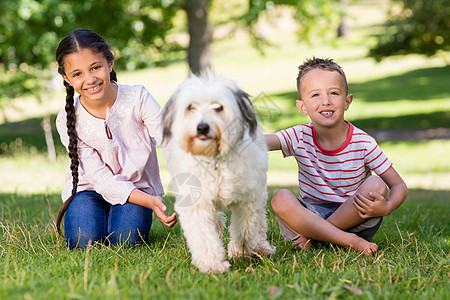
x: 398, y: 189
x: 376, y: 205
x: 272, y: 141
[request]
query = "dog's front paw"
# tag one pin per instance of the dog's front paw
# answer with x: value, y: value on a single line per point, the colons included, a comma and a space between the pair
x: 222, y: 267
x: 219, y: 267
x: 265, y: 248
x: 235, y: 250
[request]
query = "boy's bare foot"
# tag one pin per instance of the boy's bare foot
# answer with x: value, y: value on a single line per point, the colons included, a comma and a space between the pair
x: 302, y: 243
x: 370, y: 249
x: 363, y: 246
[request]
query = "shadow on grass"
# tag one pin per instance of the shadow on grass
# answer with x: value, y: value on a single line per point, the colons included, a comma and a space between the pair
x: 415, y: 121
x: 33, y: 208
x: 422, y: 84
x: 23, y: 135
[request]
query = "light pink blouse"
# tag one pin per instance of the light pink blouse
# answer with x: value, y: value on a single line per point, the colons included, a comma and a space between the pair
x: 114, y: 167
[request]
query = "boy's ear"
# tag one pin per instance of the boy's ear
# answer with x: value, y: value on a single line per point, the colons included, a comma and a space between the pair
x: 348, y: 101
x: 301, y: 107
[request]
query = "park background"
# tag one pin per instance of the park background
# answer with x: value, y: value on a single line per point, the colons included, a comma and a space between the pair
x: 403, y: 100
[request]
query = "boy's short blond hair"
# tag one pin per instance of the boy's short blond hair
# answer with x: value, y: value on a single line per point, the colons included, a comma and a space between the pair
x: 319, y: 63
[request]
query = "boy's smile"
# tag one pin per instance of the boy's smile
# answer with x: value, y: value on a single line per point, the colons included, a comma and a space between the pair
x: 324, y: 98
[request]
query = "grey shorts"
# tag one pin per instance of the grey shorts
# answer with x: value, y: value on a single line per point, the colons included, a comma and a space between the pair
x: 366, y: 229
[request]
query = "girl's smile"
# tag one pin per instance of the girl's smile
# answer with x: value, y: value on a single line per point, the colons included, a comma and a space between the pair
x: 89, y: 74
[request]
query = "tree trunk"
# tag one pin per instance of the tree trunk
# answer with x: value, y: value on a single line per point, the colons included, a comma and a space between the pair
x: 199, y: 52
x: 343, y: 29
x: 46, y: 125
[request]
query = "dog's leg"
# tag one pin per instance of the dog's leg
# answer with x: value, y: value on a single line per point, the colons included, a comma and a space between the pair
x: 200, y: 229
x: 248, y: 231
x: 263, y: 247
x: 244, y: 225
x: 220, y: 224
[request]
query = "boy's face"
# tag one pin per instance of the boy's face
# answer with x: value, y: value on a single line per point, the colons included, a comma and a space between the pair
x: 323, y: 97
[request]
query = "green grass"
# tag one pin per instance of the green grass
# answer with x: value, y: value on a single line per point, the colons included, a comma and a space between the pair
x: 413, y: 261
x: 408, y: 92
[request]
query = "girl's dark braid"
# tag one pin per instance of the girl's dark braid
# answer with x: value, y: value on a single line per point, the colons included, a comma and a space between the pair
x: 78, y: 39
x: 113, y: 76
x: 73, y: 151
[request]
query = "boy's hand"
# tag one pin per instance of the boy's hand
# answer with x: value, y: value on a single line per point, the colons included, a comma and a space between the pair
x: 160, y: 211
x: 376, y: 206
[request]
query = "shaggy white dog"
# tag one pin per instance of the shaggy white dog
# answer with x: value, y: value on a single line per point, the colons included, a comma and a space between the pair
x: 217, y: 156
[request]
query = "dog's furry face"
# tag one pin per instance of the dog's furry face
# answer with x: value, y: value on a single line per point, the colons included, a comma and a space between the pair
x: 207, y: 115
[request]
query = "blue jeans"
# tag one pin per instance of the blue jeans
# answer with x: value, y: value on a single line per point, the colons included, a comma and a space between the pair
x: 90, y: 218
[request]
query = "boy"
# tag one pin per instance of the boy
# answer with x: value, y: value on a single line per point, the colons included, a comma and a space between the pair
x: 340, y: 201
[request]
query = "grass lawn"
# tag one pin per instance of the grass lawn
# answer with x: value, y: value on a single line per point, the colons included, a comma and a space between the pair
x: 408, y: 92
x: 412, y: 261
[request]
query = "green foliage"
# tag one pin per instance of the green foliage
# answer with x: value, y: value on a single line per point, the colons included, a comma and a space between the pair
x: 17, y: 83
x: 415, y: 26
x: 31, y: 30
x: 316, y: 18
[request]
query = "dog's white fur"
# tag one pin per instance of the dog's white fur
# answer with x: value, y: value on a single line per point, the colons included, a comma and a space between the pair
x: 230, y: 163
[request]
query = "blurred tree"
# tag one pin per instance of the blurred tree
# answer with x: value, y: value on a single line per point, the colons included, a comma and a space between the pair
x: 199, y: 53
x: 317, y: 19
x: 30, y: 31
x: 343, y: 28
x: 137, y: 29
x: 415, y: 26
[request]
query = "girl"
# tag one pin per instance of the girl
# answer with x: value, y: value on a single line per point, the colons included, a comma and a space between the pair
x: 109, y: 130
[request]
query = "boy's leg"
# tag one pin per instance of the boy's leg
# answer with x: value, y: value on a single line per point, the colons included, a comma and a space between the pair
x: 346, y: 216
x: 300, y: 220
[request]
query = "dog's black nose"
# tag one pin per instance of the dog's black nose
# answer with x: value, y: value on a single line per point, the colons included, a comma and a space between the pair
x: 202, y: 128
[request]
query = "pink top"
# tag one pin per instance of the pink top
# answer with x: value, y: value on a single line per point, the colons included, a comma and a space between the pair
x: 332, y: 175
x: 117, y: 154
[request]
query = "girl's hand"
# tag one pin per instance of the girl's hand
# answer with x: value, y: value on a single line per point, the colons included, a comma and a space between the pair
x: 377, y: 206
x: 160, y: 211
x: 156, y: 204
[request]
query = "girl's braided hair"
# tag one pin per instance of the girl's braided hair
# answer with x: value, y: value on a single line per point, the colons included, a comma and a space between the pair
x: 77, y: 40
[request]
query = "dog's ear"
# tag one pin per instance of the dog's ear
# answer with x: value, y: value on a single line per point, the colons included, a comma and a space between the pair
x: 247, y: 110
x: 168, y: 117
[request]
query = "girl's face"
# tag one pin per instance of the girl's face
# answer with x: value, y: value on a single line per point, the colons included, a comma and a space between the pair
x: 324, y: 97
x: 88, y: 73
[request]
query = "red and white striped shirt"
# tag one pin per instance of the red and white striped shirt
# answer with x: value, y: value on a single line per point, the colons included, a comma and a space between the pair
x: 332, y: 175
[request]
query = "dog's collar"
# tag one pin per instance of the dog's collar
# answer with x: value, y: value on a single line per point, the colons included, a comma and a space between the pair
x: 211, y: 163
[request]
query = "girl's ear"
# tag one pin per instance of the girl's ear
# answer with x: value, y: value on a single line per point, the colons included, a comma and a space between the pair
x: 301, y: 107
x: 111, y: 65
x: 66, y: 79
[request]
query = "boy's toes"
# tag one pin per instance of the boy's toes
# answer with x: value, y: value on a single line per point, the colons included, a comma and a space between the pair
x: 370, y: 249
x: 302, y: 243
